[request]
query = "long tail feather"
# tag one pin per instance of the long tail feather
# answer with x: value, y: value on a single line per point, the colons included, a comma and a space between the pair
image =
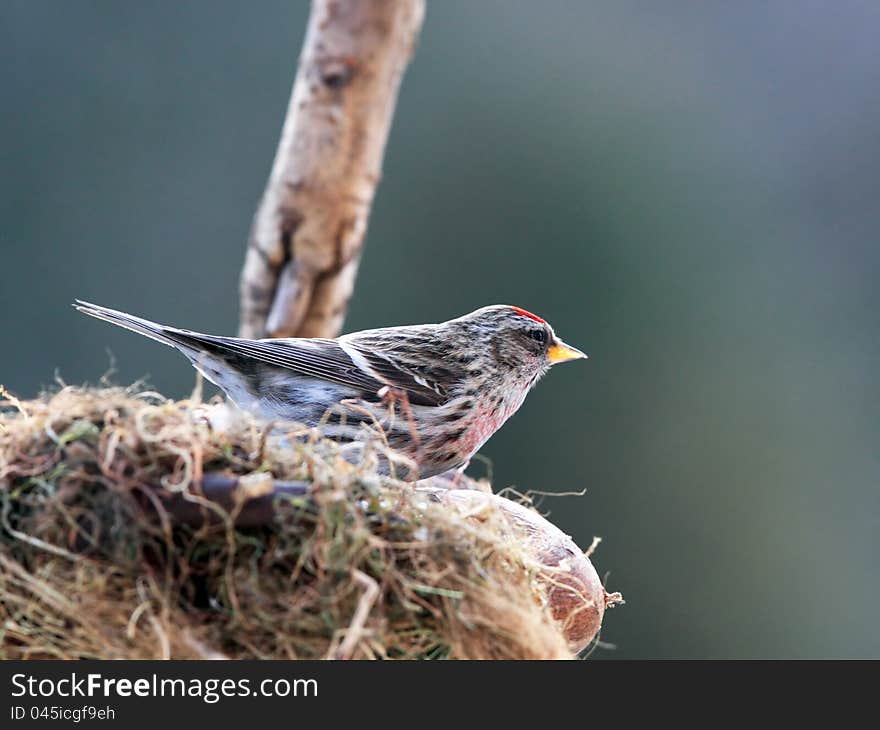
x: 208, y: 354
x: 166, y: 335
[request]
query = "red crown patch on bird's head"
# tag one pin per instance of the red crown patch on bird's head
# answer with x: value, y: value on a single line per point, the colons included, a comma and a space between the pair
x: 525, y: 313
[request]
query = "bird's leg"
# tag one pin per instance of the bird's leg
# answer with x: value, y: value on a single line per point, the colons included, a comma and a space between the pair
x: 360, y: 406
x: 450, y: 479
x: 459, y: 474
x: 393, y: 396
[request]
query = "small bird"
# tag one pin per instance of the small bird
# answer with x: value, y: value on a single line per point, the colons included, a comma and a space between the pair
x: 433, y: 392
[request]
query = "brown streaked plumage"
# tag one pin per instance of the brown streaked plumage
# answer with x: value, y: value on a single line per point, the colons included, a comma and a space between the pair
x: 437, y: 391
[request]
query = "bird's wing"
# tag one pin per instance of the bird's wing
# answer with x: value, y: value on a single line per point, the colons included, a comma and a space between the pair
x: 360, y: 362
x: 420, y: 360
x: 327, y: 360
x: 402, y: 375
x: 361, y: 365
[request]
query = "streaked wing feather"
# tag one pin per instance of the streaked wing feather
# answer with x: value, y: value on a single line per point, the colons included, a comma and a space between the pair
x: 419, y: 390
x: 326, y: 360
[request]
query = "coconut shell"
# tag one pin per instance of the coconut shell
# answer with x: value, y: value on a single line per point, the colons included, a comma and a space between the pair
x: 573, y: 590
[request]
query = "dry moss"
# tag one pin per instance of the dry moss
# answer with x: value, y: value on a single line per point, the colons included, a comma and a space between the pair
x: 92, y: 565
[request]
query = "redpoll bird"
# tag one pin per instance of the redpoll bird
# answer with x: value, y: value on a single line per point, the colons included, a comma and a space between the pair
x: 434, y: 392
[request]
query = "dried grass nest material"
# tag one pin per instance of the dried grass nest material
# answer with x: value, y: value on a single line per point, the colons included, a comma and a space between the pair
x: 97, y: 559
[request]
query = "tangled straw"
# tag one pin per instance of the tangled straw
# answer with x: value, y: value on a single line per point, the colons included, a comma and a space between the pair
x: 95, y: 561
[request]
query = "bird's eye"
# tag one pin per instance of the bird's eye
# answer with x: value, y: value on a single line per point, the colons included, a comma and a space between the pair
x: 539, y: 336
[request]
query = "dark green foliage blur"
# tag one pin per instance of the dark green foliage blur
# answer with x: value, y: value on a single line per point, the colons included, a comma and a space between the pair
x: 687, y: 191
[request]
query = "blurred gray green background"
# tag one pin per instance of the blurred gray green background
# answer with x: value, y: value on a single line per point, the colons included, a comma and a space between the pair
x: 688, y: 191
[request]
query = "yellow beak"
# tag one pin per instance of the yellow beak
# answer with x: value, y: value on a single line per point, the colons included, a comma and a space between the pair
x: 560, y: 352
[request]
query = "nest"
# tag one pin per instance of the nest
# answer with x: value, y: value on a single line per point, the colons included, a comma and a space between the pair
x: 112, y: 546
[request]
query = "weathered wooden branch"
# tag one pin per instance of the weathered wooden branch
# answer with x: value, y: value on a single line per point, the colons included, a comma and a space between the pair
x: 309, y: 229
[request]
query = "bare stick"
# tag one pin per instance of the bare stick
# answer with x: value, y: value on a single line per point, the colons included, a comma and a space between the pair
x: 309, y: 229
x: 225, y: 492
